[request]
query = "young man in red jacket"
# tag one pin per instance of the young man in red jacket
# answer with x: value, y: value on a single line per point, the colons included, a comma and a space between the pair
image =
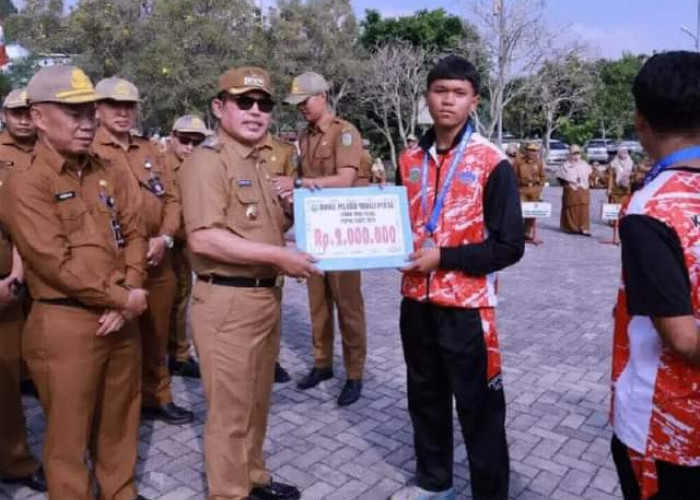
x: 656, y: 353
x: 467, y: 224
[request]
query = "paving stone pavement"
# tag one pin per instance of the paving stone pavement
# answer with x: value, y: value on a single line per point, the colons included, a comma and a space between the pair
x: 555, y: 329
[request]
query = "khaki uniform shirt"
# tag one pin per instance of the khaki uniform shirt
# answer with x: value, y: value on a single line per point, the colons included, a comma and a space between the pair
x: 13, y: 158
x: 160, y: 213
x: 173, y: 164
x: 280, y: 156
x: 62, y: 223
x: 327, y: 148
x: 529, y: 173
x: 227, y: 185
x: 364, y: 175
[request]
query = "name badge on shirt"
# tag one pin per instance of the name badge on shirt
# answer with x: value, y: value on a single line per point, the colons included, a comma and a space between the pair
x: 64, y: 196
x: 245, y: 183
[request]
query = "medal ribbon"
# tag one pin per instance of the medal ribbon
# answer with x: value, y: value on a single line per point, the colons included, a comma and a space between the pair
x: 431, y: 225
x: 691, y: 153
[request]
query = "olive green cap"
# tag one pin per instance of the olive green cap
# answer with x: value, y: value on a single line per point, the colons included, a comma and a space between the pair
x: 61, y: 84
x: 306, y: 85
x: 191, y: 124
x: 16, y: 99
x: 117, y: 89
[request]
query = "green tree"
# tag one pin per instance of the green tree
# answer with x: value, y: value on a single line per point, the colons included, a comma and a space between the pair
x: 316, y: 35
x: 613, y: 103
x: 434, y: 30
x: 39, y: 26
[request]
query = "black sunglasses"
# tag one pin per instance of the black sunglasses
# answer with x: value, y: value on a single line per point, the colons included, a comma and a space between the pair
x: 186, y: 141
x: 245, y: 102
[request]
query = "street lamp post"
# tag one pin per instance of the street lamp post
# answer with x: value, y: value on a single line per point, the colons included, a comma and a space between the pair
x: 695, y: 36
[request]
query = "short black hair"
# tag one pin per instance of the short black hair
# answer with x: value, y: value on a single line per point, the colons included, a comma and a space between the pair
x: 455, y: 68
x: 667, y: 92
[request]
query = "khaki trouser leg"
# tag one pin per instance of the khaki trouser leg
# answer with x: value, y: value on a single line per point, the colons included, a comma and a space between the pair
x: 117, y: 417
x: 531, y: 194
x: 154, y: 325
x: 69, y: 364
x: 236, y: 332
x: 321, y: 310
x: 15, y: 458
x: 346, y: 287
x: 178, y: 345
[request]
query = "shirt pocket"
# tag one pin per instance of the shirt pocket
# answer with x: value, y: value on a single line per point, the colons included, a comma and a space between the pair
x: 245, y: 212
x: 72, y: 214
x: 326, y: 159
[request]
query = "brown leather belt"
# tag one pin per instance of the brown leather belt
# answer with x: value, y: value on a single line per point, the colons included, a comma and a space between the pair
x: 238, y: 282
x: 67, y: 302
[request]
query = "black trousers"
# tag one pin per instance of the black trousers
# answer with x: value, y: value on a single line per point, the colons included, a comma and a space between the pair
x: 445, y: 357
x: 675, y: 482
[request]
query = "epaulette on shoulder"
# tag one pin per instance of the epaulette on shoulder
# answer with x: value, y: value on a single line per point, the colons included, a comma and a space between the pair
x: 212, y: 142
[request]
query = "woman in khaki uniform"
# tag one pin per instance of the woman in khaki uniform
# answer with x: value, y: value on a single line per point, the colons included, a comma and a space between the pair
x: 575, y: 175
x: 619, y: 177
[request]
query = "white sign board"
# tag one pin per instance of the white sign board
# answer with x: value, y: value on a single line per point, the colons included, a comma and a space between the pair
x: 610, y: 211
x: 536, y: 210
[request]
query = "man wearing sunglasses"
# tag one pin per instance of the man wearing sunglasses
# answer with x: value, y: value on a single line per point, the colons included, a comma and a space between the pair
x: 154, y: 191
x: 189, y: 131
x: 331, y: 155
x: 235, y: 223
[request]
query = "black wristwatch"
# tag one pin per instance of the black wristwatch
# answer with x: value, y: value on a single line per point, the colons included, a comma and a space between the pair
x: 298, y: 183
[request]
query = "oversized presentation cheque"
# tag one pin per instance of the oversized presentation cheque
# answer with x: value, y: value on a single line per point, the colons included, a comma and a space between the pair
x: 354, y: 228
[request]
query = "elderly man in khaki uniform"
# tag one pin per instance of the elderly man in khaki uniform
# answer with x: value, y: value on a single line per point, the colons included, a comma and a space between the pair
x: 17, y: 465
x: 530, y: 172
x: 235, y: 223
x: 83, y: 250
x: 331, y: 156
x: 156, y: 194
x: 189, y: 131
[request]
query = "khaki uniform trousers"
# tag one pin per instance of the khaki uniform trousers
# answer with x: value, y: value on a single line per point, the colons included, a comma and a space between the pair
x: 15, y: 458
x: 237, y: 335
x: 342, y: 288
x: 89, y: 388
x: 178, y: 345
x: 530, y: 193
x: 154, y: 325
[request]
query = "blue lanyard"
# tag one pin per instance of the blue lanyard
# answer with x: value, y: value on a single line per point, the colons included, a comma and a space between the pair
x: 440, y: 201
x: 691, y: 153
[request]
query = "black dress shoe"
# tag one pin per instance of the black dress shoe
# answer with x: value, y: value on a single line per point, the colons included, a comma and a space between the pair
x: 188, y: 368
x: 170, y: 414
x: 28, y: 388
x: 315, y: 377
x: 352, y: 390
x: 275, y: 491
x: 281, y: 375
x: 36, y: 481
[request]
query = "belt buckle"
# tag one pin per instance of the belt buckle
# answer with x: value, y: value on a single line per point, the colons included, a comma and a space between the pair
x: 279, y: 281
x: 257, y: 282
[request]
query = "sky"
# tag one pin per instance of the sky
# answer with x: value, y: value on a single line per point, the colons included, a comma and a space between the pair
x: 610, y: 27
